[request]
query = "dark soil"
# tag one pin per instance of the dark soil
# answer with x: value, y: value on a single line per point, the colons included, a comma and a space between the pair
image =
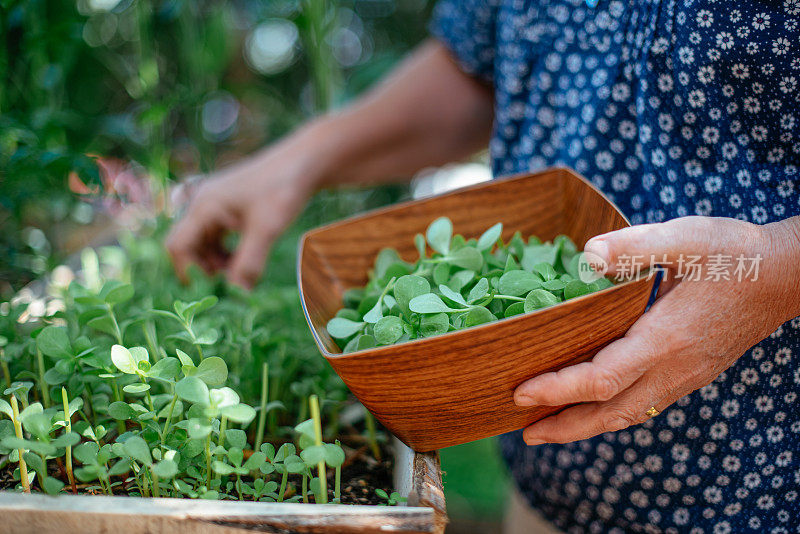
x: 6, y: 478
x: 362, y: 474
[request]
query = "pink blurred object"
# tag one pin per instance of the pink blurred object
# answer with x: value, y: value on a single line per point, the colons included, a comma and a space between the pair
x: 127, y: 192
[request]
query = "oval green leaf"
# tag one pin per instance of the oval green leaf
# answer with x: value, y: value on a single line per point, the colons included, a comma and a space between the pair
x: 515, y: 309
x: 452, y: 295
x: 577, y: 288
x: 439, y: 234
x: 239, y: 413
x: 433, y: 325
x: 136, y: 388
x: 388, y: 330
x: 490, y: 237
x: 478, y: 315
x: 539, y: 298
x: 467, y: 258
x: 212, y: 370
x: 341, y: 328
x: 479, y: 290
x: 137, y: 448
x: 407, y: 288
x: 429, y: 303
x: 53, y: 341
x: 518, y: 282
x: 192, y: 389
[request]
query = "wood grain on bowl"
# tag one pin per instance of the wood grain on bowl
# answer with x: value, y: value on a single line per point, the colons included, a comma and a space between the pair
x: 458, y: 387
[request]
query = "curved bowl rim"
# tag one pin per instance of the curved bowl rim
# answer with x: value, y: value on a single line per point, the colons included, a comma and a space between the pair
x: 467, y: 331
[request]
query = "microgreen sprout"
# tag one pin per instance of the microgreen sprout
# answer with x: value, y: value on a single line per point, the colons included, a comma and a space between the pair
x: 390, y: 499
x: 316, y: 454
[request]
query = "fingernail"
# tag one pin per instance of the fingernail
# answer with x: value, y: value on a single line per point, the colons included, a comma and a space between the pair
x: 598, y: 247
x: 532, y: 442
x: 596, y: 253
x: 524, y: 400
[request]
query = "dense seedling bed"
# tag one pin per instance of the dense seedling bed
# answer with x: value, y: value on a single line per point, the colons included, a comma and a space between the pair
x: 122, y: 382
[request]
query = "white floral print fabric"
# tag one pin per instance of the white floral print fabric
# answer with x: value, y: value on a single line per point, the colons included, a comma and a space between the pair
x: 672, y: 108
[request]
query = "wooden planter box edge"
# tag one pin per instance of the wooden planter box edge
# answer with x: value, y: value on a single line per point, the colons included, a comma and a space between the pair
x: 417, y: 476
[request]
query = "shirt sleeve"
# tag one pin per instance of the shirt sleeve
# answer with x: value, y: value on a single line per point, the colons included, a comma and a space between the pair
x: 467, y: 29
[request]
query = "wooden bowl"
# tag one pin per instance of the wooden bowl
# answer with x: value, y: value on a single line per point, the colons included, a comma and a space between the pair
x: 458, y: 387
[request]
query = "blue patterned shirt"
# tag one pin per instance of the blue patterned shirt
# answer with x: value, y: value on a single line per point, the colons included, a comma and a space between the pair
x: 672, y: 108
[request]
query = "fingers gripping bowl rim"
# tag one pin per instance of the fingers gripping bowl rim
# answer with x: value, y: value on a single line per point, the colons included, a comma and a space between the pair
x: 458, y: 387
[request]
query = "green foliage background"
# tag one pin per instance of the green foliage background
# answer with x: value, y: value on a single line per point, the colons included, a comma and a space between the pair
x: 142, y: 80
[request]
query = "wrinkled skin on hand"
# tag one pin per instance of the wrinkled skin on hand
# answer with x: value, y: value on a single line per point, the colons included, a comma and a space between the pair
x: 695, y: 330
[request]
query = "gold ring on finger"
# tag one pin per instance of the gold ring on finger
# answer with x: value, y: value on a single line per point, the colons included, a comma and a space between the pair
x: 652, y: 412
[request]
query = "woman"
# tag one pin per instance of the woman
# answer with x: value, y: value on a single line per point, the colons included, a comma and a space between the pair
x: 686, y: 114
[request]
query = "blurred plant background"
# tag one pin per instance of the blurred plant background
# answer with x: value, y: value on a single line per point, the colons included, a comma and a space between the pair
x: 106, y: 103
x: 159, y: 90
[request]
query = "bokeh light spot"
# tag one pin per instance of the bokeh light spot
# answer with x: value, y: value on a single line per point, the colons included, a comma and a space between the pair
x: 271, y: 47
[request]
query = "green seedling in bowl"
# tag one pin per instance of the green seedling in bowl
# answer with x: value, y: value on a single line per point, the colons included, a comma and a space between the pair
x: 463, y: 283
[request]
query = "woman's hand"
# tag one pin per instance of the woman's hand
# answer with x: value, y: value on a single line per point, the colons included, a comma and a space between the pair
x: 258, y: 198
x: 428, y: 112
x: 695, y: 330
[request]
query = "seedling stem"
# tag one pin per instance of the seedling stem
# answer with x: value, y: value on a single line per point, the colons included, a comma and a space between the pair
x: 42, y: 384
x: 223, y: 424
x: 156, y: 489
x: 68, y: 421
x: 6, y: 370
x: 23, y: 468
x: 164, y: 434
x: 208, y: 460
x: 323, y: 481
x: 117, y: 331
x: 282, y: 490
x: 337, y: 492
x: 262, y: 415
